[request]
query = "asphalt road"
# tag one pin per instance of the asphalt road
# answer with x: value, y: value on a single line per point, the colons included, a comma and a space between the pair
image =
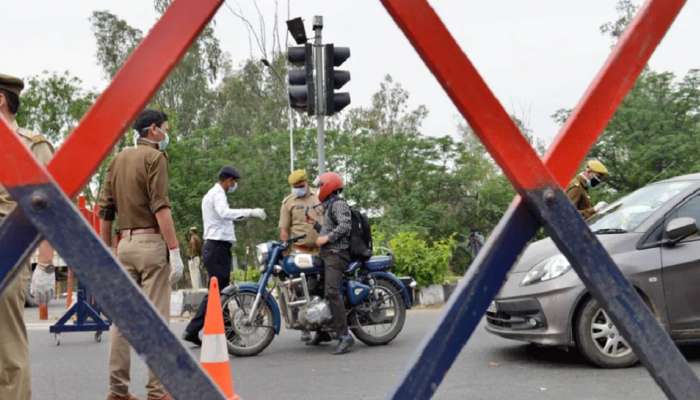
x: 488, y: 368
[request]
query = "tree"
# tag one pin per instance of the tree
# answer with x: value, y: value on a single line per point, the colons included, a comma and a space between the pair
x: 53, y: 104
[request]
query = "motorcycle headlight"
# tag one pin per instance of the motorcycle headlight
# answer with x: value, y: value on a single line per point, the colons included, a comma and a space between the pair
x: 261, y: 252
x: 548, y: 269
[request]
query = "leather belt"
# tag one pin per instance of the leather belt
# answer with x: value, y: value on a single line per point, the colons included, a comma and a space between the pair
x: 139, y: 231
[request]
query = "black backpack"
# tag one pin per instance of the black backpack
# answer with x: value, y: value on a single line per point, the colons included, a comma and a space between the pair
x: 360, y: 236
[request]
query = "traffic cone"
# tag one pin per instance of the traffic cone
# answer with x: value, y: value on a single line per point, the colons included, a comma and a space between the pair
x: 214, y: 354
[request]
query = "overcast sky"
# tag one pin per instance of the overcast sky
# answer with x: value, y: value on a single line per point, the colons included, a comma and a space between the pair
x: 537, y: 55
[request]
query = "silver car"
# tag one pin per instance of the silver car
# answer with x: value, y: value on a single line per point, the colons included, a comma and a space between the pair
x: 652, y: 236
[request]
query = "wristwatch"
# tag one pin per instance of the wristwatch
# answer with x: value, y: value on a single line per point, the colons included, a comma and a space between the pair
x: 48, y: 268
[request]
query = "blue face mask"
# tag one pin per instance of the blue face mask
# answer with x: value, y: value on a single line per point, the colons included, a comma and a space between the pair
x: 233, y: 188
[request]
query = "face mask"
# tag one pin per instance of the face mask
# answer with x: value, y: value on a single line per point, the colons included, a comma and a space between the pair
x: 595, y: 181
x: 163, y: 144
x: 233, y: 188
x: 299, y: 192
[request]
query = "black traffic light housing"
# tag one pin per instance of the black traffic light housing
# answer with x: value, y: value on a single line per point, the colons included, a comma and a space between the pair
x: 335, y: 79
x: 301, y: 80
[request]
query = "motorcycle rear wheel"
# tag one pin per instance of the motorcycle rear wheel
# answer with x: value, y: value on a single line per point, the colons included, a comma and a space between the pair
x: 380, y: 318
x: 242, y: 338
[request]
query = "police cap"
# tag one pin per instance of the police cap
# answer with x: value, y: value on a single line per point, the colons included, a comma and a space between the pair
x: 11, y: 84
x: 297, y: 176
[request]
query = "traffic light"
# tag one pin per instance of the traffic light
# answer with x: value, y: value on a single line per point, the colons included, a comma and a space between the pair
x: 335, y: 79
x: 301, y: 80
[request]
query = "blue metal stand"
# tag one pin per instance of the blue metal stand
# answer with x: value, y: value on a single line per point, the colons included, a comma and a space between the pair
x: 88, y: 318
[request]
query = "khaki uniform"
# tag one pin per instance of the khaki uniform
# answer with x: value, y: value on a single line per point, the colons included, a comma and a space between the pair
x: 194, y: 264
x: 135, y: 188
x: 293, y: 219
x: 578, y: 194
x: 14, y: 352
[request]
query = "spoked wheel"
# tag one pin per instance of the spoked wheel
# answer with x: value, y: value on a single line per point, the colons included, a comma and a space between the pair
x: 380, y: 318
x: 599, y: 340
x: 245, y: 337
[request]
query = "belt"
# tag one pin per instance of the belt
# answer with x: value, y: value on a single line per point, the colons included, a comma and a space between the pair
x: 303, y: 247
x: 139, y: 231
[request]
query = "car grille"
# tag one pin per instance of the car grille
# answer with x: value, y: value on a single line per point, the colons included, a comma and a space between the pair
x: 522, y: 314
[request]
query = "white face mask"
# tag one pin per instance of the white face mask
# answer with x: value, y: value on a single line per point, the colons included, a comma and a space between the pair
x: 233, y: 188
x: 299, y: 192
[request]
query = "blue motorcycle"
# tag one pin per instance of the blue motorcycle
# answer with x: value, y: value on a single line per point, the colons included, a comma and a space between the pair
x: 375, y: 299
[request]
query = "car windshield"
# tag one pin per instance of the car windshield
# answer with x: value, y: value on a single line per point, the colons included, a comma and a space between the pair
x: 630, y: 211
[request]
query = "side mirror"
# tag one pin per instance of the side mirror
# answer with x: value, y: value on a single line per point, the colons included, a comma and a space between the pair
x: 680, y: 228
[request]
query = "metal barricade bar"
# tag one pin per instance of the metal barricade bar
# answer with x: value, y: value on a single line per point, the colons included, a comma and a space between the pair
x: 465, y: 309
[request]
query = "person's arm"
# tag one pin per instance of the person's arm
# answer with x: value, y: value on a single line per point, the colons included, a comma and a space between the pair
x: 108, y: 208
x: 285, y: 222
x: 167, y: 227
x: 284, y: 234
x: 232, y: 214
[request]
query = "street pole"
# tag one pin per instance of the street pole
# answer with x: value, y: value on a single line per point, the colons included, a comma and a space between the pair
x: 320, y: 102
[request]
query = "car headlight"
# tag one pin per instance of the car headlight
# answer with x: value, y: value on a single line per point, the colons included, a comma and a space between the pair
x: 548, y: 269
x: 261, y: 252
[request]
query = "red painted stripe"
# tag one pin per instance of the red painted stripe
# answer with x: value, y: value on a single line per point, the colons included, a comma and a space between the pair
x: 610, y: 86
x: 491, y: 123
x: 18, y: 165
x: 129, y: 92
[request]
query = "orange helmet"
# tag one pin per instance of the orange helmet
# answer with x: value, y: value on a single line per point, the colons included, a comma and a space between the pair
x: 328, y: 183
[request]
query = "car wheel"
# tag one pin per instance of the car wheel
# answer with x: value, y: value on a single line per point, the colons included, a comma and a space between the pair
x: 598, y: 339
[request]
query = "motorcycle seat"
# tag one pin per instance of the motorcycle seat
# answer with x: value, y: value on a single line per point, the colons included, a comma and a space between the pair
x: 379, y: 263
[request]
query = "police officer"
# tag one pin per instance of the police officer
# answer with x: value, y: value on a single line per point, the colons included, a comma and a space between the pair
x: 577, y: 191
x: 135, y: 192
x: 297, y: 211
x: 14, y: 353
x: 194, y: 263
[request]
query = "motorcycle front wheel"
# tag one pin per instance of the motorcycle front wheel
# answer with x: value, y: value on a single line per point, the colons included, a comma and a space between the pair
x: 380, y: 318
x: 246, y: 337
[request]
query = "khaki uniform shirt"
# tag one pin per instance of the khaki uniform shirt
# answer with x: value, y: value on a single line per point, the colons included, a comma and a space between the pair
x: 136, y: 187
x: 293, y: 217
x: 578, y: 194
x: 42, y: 151
x: 195, y: 248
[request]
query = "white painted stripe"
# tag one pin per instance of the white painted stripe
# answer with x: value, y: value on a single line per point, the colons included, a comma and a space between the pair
x: 39, y: 326
x: 214, y: 349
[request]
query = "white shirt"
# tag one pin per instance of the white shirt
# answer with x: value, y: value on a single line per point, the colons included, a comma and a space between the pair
x: 218, y: 217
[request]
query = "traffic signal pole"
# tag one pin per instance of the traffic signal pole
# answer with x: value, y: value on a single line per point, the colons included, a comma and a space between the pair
x: 319, y: 98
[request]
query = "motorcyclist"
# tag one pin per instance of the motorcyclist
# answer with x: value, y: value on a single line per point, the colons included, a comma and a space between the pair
x: 334, y: 242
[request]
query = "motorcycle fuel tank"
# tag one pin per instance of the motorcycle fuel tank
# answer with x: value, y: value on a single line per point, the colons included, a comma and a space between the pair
x: 295, y: 264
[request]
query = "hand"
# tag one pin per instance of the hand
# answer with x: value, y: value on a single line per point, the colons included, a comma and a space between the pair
x: 43, y: 285
x: 176, y: 265
x: 321, y: 240
x: 258, y: 213
x: 601, y: 205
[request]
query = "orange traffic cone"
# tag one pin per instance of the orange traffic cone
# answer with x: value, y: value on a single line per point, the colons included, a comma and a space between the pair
x: 214, y: 354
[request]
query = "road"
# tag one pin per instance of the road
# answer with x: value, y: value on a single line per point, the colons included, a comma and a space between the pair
x: 488, y: 368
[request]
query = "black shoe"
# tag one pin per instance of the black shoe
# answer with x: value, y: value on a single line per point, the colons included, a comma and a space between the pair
x: 319, y: 337
x: 191, y: 337
x: 305, y: 336
x: 345, y: 343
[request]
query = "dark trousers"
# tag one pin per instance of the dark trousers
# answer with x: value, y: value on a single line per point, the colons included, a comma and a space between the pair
x: 335, y: 264
x: 216, y: 256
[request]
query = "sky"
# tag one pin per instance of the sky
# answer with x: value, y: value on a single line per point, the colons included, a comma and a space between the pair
x: 537, y: 56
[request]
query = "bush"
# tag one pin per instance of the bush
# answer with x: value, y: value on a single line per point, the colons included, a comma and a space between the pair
x: 426, y: 263
x: 245, y: 275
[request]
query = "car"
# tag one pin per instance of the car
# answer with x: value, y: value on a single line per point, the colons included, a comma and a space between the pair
x: 652, y: 236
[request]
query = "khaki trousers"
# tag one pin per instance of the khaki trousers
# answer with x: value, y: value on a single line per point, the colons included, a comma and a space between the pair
x: 195, y: 268
x: 145, y: 258
x: 14, y: 350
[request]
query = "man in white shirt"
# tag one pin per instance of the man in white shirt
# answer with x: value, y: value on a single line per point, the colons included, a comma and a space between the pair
x: 219, y: 237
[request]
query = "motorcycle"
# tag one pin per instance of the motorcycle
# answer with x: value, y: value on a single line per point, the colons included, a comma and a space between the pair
x: 375, y: 299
